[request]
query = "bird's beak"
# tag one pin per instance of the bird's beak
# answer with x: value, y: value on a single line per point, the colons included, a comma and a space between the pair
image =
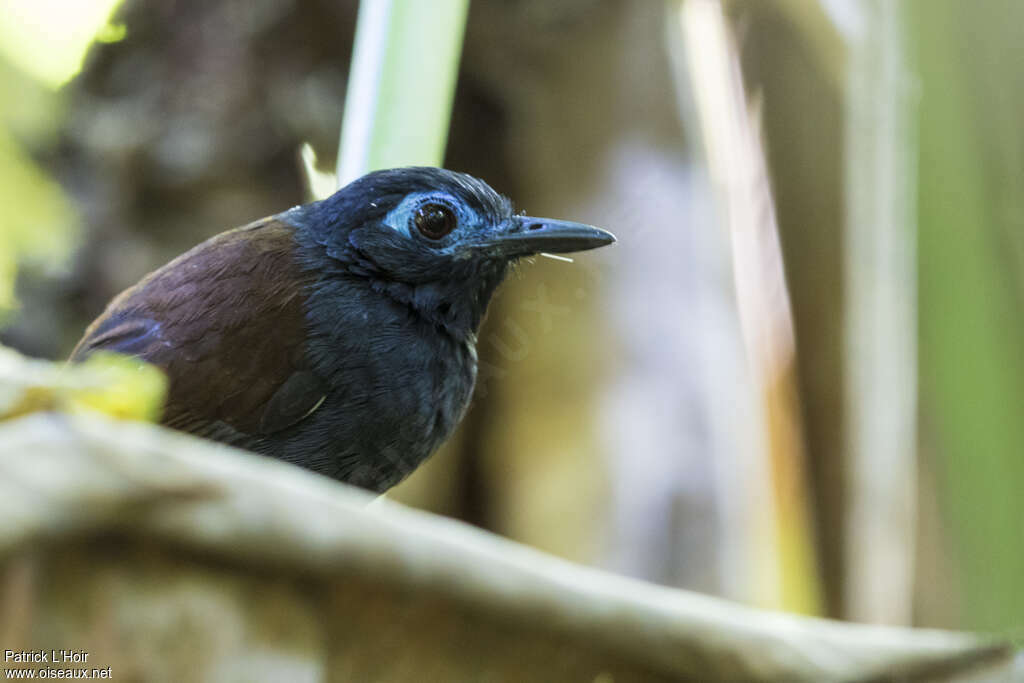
x: 524, y: 235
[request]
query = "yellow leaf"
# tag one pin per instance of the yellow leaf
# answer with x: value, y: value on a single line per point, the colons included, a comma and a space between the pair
x: 110, y: 383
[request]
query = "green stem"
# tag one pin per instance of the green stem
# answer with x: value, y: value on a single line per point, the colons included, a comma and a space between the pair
x: 404, y: 67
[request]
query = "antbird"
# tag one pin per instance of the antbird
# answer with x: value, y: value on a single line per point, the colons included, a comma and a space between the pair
x: 339, y: 335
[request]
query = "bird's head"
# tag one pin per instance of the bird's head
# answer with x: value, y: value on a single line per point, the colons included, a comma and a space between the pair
x: 437, y: 240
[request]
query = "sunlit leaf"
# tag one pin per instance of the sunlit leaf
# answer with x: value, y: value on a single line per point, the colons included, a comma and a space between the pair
x: 49, y: 38
x: 109, y: 383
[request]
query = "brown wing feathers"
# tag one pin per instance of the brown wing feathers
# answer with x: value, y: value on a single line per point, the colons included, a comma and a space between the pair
x: 225, y: 322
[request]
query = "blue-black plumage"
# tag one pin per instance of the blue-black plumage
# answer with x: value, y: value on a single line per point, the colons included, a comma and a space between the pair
x: 338, y: 335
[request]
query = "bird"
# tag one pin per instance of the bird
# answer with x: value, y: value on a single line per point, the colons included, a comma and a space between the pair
x: 339, y: 335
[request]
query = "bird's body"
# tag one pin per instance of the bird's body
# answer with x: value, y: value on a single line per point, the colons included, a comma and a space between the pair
x: 339, y: 335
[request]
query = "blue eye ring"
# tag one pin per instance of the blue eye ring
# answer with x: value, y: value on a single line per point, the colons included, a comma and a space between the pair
x: 434, y: 219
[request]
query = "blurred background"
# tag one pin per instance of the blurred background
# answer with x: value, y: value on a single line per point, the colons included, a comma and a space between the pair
x: 796, y: 382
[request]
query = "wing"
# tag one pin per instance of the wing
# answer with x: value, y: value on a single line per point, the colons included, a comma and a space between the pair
x: 225, y: 321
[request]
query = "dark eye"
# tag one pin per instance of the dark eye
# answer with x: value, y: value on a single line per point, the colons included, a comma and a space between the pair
x: 434, y: 221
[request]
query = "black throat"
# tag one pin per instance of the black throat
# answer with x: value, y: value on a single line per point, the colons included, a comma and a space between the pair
x: 454, y: 300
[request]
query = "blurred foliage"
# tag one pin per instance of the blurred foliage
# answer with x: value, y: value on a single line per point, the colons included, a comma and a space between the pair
x: 769, y: 473
x: 38, y: 222
x: 49, y: 38
x: 109, y: 383
x: 801, y: 105
x: 42, y: 45
x: 971, y: 228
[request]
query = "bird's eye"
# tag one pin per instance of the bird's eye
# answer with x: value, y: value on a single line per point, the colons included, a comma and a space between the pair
x: 434, y: 221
